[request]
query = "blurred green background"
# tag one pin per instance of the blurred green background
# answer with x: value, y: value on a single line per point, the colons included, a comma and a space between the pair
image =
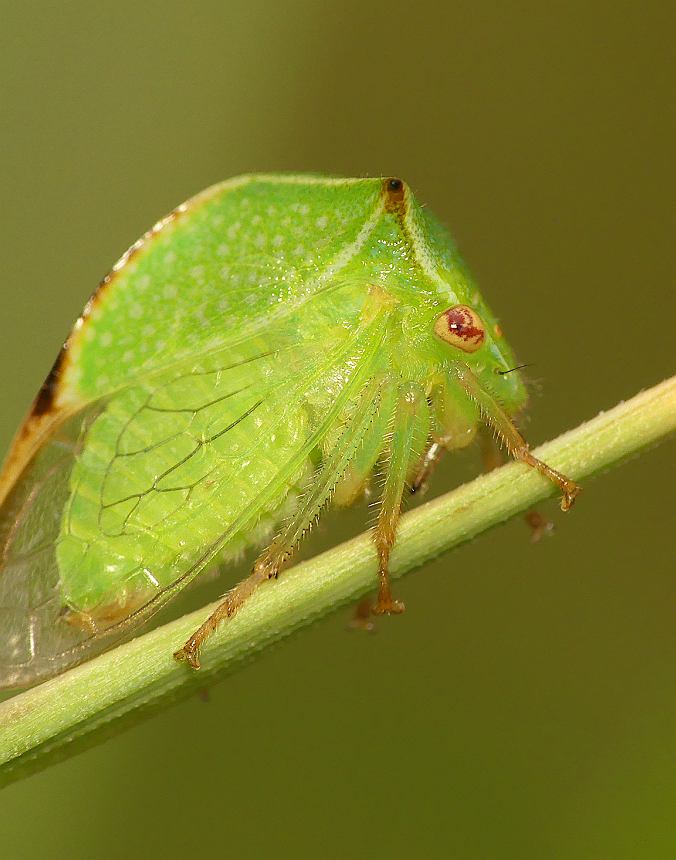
x: 525, y: 705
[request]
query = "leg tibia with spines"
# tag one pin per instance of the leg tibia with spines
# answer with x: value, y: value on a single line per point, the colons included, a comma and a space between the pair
x: 408, y: 438
x: 503, y: 426
x: 233, y: 601
x: 351, y: 484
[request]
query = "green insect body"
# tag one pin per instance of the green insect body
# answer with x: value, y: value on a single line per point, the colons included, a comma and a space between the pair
x: 261, y: 351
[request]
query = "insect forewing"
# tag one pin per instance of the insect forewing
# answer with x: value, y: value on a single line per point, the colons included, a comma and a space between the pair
x: 182, y: 413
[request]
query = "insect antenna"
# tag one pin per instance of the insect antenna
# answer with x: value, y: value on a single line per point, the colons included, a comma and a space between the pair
x: 512, y: 369
x: 533, y: 385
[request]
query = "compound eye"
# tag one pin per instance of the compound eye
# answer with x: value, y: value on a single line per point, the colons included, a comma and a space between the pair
x: 461, y: 327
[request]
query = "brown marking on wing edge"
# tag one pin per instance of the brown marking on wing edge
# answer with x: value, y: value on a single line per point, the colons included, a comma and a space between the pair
x: 43, y: 416
x: 44, y: 400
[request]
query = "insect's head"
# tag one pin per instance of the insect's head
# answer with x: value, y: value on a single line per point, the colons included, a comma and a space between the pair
x: 479, y: 343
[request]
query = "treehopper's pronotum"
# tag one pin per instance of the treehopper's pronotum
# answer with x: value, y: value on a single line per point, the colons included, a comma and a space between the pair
x: 261, y: 351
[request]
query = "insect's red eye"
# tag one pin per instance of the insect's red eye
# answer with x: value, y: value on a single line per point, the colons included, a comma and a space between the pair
x: 461, y: 327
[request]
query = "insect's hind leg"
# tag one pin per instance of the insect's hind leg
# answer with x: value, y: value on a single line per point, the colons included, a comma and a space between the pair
x: 234, y: 599
x: 409, y: 434
x: 375, y: 397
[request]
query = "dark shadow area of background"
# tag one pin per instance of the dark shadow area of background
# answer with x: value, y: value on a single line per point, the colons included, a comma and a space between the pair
x: 525, y: 705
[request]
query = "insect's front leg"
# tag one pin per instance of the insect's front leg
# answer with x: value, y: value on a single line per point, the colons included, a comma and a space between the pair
x: 510, y: 436
x: 569, y: 489
x: 491, y: 458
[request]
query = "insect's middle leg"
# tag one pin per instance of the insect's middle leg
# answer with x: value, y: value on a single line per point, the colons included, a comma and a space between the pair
x: 411, y: 427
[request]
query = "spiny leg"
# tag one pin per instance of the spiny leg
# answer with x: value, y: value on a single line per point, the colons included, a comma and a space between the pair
x: 233, y: 601
x: 510, y: 436
x: 351, y: 484
x: 356, y: 479
x: 271, y: 560
x: 491, y: 457
x: 411, y: 427
x: 430, y: 457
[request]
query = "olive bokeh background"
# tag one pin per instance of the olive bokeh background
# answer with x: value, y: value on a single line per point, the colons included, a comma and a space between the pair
x: 525, y: 705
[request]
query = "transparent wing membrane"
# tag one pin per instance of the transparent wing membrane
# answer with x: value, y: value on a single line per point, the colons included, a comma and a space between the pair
x: 31, y: 604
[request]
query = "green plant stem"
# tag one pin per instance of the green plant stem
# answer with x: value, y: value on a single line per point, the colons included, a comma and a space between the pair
x: 143, y: 671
